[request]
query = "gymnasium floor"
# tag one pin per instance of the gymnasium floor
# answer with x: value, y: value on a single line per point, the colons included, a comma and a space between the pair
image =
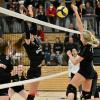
x: 45, y: 95
x: 53, y: 96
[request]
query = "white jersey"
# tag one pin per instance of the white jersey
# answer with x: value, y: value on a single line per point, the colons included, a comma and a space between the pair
x: 72, y: 68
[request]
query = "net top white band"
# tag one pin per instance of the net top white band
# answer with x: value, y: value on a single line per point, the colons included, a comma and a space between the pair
x: 31, y: 80
x: 26, y: 18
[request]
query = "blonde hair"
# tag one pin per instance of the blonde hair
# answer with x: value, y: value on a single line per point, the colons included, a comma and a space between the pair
x: 89, y: 38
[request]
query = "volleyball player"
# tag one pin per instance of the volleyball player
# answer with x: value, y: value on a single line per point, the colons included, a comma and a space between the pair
x: 5, y: 68
x: 17, y: 76
x: 85, y: 58
x: 35, y: 56
x: 18, y: 90
x: 73, y: 69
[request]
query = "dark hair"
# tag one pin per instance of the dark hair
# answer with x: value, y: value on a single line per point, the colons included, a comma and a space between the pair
x: 19, y: 42
x: 3, y: 46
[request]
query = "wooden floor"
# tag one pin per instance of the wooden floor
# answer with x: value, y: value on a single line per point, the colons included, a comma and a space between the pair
x: 57, y: 83
x: 54, y: 88
x: 61, y: 95
x: 51, y: 96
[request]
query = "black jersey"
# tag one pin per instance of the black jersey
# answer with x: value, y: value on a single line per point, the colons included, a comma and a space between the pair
x: 86, y: 65
x: 7, y: 62
x: 16, y: 78
x: 34, y: 53
x: 5, y: 76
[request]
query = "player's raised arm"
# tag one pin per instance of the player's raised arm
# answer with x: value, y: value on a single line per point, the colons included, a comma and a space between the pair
x: 78, y: 19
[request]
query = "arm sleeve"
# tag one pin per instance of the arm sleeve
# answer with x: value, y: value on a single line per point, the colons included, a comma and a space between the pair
x: 26, y: 30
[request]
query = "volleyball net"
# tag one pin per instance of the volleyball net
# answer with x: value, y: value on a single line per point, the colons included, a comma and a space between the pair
x: 51, y: 72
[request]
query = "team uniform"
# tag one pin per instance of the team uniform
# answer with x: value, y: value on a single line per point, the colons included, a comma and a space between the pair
x: 72, y: 69
x: 16, y: 59
x: 5, y: 76
x: 35, y: 56
x: 86, y: 65
x: 16, y: 78
x: 86, y: 69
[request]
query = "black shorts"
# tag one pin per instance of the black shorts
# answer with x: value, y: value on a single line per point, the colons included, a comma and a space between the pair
x: 4, y: 92
x: 16, y: 78
x: 34, y: 72
x: 87, y: 74
x: 4, y: 78
x: 18, y: 88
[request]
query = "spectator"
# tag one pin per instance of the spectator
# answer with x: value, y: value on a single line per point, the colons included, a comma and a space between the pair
x: 46, y: 48
x: 22, y: 9
x: 9, y: 19
x: 71, y: 26
x: 97, y: 12
x: 71, y: 34
x: 40, y: 32
x: 57, y: 51
x: 47, y: 4
x: 31, y: 10
x: 51, y: 13
x: 82, y: 11
x: 29, y: 2
x: 70, y: 44
x: 55, y: 3
x: 40, y: 14
x: 89, y: 9
x: 89, y: 12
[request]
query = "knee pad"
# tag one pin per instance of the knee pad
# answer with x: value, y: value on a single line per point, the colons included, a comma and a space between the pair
x: 85, y: 95
x: 71, y: 89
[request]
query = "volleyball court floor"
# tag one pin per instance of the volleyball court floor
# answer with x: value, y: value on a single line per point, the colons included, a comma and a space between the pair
x: 61, y: 95
x: 45, y: 95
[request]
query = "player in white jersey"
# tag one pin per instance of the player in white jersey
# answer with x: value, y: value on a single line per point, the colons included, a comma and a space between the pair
x: 72, y: 69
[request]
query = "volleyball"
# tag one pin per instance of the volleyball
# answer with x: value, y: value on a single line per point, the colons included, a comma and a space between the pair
x: 62, y: 11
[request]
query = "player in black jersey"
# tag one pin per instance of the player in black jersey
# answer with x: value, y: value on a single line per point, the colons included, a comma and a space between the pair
x: 18, y: 90
x: 35, y: 56
x: 17, y: 73
x: 86, y: 72
x: 5, y: 68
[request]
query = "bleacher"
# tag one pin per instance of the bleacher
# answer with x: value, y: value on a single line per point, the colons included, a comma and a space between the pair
x: 51, y: 38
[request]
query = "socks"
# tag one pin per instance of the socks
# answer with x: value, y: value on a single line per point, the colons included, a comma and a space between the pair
x: 30, y: 97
